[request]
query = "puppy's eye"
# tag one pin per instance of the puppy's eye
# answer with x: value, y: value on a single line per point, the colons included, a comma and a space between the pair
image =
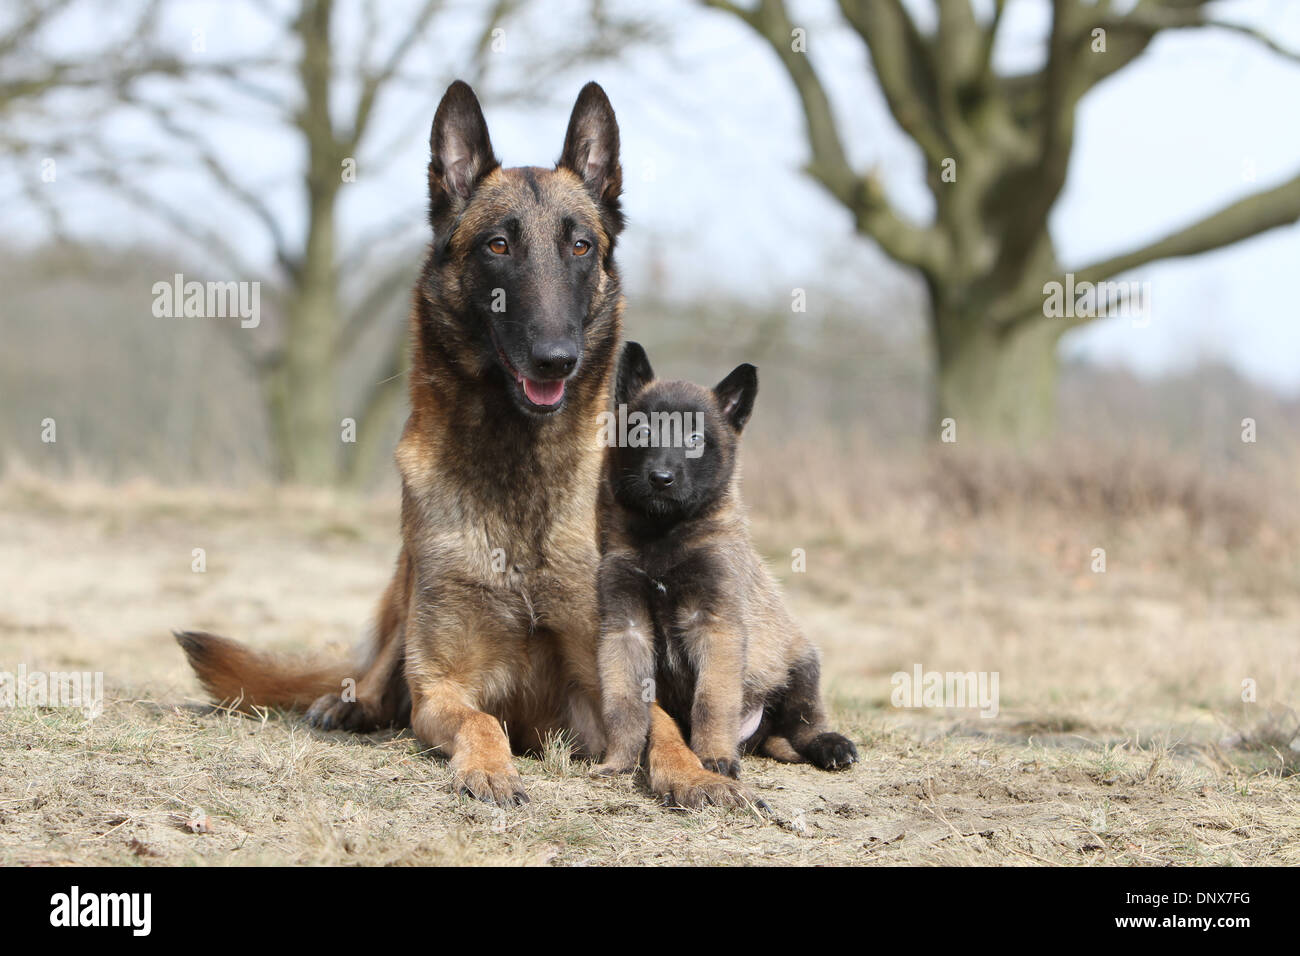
x: 581, y: 247
x: 695, y: 440
x: 498, y: 246
x: 641, y: 431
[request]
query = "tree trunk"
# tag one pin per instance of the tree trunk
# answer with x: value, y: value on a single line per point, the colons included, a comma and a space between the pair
x: 998, y: 389
x: 312, y: 426
x: 309, y: 403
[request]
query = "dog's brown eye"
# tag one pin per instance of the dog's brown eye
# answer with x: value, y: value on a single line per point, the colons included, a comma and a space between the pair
x: 581, y: 247
x: 499, y: 246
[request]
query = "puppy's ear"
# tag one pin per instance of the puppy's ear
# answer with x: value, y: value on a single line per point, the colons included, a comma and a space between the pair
x: 634, y: 373
x: 591, y: 151
x: 736, y: 394
x: 460, y: 154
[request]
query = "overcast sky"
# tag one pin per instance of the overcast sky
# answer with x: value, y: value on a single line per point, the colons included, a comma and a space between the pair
x: 713, y: 142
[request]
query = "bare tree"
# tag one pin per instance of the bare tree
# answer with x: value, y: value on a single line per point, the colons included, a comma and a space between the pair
x: 31, y: 76
x: 1006, y: 142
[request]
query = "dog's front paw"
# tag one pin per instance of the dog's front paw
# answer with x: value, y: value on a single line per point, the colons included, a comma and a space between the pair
x: 699, y: 788
x: 831, y: 751
x: 502, y: 786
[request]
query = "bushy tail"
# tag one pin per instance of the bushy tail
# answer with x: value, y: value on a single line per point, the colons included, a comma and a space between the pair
x: 244, y: 678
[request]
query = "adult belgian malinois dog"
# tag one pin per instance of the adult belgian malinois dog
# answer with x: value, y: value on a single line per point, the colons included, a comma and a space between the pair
x: 486, y: 638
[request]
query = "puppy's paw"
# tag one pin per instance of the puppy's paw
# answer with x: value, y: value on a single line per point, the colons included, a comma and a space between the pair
x: 726, y: 766
x: 831, y: 751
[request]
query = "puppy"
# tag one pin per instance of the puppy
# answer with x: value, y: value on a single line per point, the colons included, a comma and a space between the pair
x: 689, y: 615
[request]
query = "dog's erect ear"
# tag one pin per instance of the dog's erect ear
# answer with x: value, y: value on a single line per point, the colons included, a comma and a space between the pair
x: 736, y: 394
x: 634, y: 373
x: 461, y: 153
x: 591, y: 150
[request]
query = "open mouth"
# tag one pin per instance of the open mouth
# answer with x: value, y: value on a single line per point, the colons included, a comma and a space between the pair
x: 542, y: 396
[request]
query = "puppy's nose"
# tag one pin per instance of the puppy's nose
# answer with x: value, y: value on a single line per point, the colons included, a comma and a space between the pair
x: 661, y: 479
x: 555, y: 358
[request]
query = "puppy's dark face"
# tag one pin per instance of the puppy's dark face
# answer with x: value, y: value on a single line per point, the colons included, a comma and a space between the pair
x: 678, y: 453
x: 527, y: 252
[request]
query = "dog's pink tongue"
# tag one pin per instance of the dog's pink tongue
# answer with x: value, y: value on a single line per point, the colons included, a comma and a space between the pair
x: 543, y: 393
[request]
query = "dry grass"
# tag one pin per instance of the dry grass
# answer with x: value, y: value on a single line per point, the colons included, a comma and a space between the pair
x: 1122, y: 736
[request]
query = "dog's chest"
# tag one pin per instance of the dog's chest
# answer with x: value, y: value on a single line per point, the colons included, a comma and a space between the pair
x: 678, y: 641
x: 680, y: 592
x: 527, y: 560
x: 680, y: 578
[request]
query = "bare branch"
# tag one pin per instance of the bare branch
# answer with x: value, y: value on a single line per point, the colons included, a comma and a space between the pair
x: 313, y: 74
x: 372, y: 83
x: 38, y: 15
x: 989, y: 38
x: 235, y: 76
x: 905, y: 69
x: 922, y: 247
x: 958, y: 44
x: 370, y: 308
x: 1250, y: 216
x: 208, y: 239
x: 609, y: 39
x: 1258, y: 36
x: 394, y: 229
x: 1073, y: 69
x: 501, y: 11
x: 1149, y: 18
x: 251, y: 201
x: 914, y: 245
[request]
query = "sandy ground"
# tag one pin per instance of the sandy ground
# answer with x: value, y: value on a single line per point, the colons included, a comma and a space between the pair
x: 1121, y: 736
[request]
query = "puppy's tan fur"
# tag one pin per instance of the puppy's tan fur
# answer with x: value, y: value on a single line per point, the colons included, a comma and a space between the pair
x: 688, y: 608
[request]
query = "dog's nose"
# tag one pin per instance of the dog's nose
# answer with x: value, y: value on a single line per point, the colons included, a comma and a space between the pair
x: 555, y: 358
x: 661, y: 479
